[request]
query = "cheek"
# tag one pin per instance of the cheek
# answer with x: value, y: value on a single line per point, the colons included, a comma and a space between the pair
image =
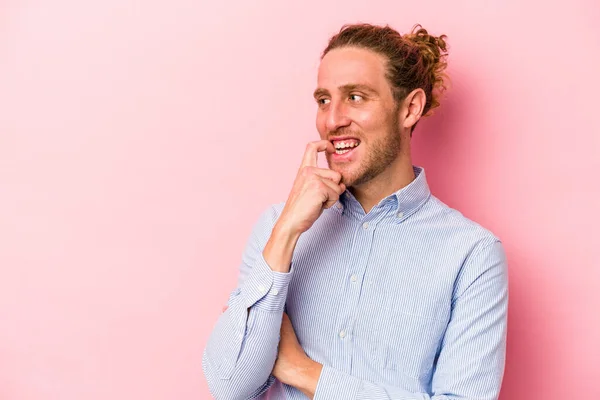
x: 368, y: 120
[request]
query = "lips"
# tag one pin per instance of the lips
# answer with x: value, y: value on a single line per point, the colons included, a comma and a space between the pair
x: 345, y: 147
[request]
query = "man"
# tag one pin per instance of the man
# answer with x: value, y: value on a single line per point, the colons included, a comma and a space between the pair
x: 363, y: 285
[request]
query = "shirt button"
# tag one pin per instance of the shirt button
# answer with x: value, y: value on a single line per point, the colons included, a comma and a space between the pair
x: 275, y: 292
x: 400, y: 215
x: 339, y: 205
x: 342, y: 334
x: 353, y: 278
x: 261, y: 289
x: 366, y: 225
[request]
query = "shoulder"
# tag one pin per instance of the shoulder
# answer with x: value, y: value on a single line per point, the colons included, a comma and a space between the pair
x: 482, y: 252
x: 456, y: 227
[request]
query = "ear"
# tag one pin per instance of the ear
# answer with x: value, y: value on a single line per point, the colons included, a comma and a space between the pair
x: 413, y: 107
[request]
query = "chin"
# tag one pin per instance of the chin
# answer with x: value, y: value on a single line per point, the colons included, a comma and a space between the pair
x: 349, y: 174
x: 348, y: 179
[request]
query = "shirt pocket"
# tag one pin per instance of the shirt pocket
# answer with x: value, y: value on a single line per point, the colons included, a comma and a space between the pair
x: 408, y: 344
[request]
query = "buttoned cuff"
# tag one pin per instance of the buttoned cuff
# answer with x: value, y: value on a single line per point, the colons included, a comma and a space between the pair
x: 264, y: 288
x: 334, y: 385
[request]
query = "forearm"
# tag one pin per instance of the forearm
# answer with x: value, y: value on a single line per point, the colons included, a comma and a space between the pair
x: 320, y: 382
x: 241, y: 369
x: 334, y: 384
x: 304, y: 376
x: 279, y: 249
x: 242, y: 348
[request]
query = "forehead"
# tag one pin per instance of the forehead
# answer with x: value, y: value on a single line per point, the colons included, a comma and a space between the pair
x: 351, y: 65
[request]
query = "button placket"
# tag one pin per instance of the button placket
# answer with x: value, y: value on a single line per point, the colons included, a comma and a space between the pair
x: 359, y: 257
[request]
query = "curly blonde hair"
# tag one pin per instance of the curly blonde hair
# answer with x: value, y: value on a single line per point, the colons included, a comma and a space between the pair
x: 415, y: 60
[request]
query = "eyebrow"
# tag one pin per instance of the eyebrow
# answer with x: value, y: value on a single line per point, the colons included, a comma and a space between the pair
x: 346, y: 88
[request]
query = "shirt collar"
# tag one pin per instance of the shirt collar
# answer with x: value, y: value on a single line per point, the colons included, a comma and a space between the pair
x: 403, y: 203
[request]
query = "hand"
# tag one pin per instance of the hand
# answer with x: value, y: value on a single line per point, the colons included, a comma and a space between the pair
x: 314, y: 190
x: 293, y: 367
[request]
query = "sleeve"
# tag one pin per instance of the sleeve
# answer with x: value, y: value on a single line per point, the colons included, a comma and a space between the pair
x: 472, y: 356
x: 242, y: 348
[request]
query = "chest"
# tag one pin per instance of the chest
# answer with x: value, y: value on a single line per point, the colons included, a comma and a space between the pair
x: 373, y: 302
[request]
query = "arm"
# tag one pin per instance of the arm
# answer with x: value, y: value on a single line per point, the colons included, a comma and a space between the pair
x: 241, y: 351
x: 471, y: 360
x: 242, y: 348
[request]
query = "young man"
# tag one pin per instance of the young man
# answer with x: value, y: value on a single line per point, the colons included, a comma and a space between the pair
x: 363, y: 285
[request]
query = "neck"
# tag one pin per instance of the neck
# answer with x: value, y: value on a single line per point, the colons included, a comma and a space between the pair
x: 398, y: 175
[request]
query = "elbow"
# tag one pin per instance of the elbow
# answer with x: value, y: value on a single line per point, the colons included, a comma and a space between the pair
x: 223, y: 388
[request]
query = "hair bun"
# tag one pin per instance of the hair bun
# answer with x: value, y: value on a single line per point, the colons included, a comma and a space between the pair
x: 432, y: 54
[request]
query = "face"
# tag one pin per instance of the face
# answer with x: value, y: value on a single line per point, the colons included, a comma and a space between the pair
x: 358, y: 114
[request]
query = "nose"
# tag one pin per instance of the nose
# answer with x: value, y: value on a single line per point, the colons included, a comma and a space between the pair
x: 336, y: 117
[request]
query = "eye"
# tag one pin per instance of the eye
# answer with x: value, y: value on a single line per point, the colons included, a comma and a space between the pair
x: 323, y: 101
x: 355, y: 97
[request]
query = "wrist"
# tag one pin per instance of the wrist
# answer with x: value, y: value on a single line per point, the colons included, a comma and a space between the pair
x: 307, y: 377
x: 285, y: 232
x: 280, y: 247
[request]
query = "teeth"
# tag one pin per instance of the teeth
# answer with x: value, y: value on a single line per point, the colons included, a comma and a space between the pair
x: 342, y: 151
x: 344, y: 145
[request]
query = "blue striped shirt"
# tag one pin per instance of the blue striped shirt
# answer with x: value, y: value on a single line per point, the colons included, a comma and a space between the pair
x: 408, y: 301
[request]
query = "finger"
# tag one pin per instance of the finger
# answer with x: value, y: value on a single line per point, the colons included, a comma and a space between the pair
x: 330, y: 174
x: 337, y: 188
x: 333, y: 192
x: 313, y: 149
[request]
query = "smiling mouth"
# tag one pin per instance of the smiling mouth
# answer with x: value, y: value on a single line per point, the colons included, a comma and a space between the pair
x: 345, y: 146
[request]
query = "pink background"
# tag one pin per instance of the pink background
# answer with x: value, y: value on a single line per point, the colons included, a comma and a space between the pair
x: 139, y: 141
